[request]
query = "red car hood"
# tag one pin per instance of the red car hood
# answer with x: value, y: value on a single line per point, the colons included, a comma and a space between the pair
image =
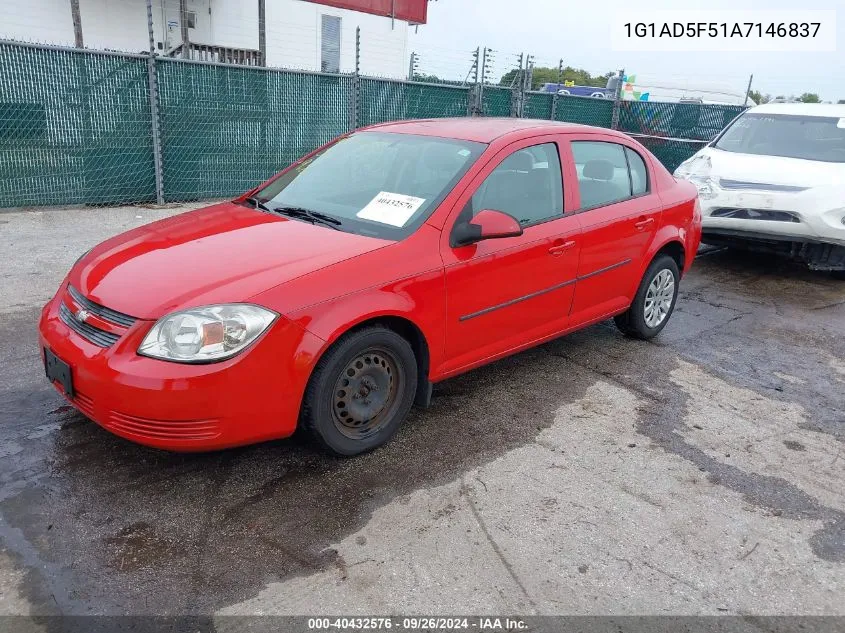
x: 224, y: 253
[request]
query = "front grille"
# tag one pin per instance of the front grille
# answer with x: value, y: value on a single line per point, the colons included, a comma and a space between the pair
x: 164, y: 429
x: 758, y: 186
x: 118, y: 318
x: 754, y: 214
x: 88, y: 332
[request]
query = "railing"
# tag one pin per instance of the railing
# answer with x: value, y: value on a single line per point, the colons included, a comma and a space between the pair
x: 218, y: 54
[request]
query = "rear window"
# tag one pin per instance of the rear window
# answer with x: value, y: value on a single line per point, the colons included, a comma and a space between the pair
x: 807, y: 137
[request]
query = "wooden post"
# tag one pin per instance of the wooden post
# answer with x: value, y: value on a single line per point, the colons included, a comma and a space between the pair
x: 183, y: 23
x: 77, y: 24
x: 262, y: 32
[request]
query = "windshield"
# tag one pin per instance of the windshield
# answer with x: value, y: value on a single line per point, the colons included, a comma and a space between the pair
x: 375, y: 183
x: 807, y: 137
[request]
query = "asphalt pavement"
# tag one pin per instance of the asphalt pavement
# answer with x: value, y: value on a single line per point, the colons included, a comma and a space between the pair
x: 699, y: 473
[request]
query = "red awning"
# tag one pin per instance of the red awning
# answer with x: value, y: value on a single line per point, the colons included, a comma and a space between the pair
x: 410, y: 10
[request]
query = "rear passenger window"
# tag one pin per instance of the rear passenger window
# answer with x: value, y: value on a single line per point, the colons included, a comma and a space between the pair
x: 608, y: 173
x: 639, y: 174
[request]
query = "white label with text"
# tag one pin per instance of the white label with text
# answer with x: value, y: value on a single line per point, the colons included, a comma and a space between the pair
x: 394, y: 209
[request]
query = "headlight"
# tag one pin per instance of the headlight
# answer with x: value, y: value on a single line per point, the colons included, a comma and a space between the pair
x: 697, y: 171
x: 206, y: 334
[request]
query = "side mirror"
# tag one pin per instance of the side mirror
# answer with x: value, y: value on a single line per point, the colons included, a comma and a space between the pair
x: 486, y: 225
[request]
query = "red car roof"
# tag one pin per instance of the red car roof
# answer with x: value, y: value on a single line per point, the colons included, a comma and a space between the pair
x: 480, y: 129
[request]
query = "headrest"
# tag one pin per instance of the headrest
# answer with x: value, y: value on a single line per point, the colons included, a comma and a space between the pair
x: 443, y: 156
x: 520, y: 161
x: 598, y: 169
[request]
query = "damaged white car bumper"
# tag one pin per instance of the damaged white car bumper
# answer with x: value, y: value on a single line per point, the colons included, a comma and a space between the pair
x: 795, y: 207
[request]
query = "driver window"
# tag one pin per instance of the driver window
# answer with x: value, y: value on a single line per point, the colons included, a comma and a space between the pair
x: 526, y: 185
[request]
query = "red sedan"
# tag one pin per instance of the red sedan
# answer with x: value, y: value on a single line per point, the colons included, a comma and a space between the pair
x: 334, y: 295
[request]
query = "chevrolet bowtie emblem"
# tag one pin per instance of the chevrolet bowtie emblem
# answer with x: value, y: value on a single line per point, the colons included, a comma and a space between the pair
x: 82, y: 315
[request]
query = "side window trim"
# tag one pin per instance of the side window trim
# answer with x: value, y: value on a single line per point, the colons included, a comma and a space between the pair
x: 645, y: 166
x: 630, y: 177
x: 625, y: 148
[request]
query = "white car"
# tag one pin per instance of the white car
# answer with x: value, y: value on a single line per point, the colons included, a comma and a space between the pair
x: 774, y: 180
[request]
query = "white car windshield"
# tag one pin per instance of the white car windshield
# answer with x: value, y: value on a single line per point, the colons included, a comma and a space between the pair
x: 807, y: 137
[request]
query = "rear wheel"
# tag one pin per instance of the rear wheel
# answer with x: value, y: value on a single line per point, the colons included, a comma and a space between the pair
x: 360, y: 391
x: 654, y: 302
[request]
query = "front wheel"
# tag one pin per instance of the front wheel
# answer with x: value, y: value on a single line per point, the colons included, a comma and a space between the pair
x: 360, y: 391
x: 654, y: 302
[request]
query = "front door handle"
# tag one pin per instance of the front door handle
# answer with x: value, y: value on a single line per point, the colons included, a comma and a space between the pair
x: 560, y: 249
x: 643, y: 223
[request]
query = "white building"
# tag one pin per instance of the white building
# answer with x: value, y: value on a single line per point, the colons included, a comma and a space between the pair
x: 301, y: 34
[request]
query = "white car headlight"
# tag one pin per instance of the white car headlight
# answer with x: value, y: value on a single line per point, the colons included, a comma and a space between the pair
x: 206, y: 334
x: 697, y: 171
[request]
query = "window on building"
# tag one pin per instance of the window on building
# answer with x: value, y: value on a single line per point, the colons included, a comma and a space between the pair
x: 330, y: 44
x: 191, y: 19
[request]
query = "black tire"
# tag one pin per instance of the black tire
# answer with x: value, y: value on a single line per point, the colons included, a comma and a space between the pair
x: 633, y: 322
x: 381, y: 368
x: 838, y: 274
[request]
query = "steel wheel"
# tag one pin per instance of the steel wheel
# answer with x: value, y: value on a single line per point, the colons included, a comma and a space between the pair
x: 659, y: 297
x: 365, y: 394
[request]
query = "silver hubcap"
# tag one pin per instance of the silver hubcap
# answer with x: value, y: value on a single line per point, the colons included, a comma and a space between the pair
x: 658, y: 299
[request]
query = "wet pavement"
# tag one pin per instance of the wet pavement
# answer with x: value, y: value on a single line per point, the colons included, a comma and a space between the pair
x: 701, y: 472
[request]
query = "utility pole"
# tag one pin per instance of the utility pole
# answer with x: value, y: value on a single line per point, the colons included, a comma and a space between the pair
x: 556, y: 96
x: 152, y: 78
x: 183, y: 24
x: 748, y: 90
x: 413, y: 65
x: 473, y: 103
x: 77, y: 24
x: 483, y: 81
x: 355, y: 114
x: 617, y: 99
x: 262, y: 31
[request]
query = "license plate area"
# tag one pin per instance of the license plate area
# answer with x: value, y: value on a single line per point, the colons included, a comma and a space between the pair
x: 58, y: 371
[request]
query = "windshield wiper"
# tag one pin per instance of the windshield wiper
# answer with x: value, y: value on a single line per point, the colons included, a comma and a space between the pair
x: 257, y: 203
x: 315, y: 217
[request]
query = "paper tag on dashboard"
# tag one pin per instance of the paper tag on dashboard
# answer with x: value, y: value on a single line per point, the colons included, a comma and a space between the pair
x: 394, y: 209
x: 840, y: 123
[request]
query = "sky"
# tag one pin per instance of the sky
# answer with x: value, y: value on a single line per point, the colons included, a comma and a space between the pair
x: 579, y: 33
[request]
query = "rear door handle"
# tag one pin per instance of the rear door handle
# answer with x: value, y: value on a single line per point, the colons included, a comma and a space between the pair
x: 642, y: 224
x: 560, y: 249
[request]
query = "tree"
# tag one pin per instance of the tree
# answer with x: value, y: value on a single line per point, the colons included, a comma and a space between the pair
x: 434, y: 79
x: 757, y: 97
x: 809, y: 97
x: 543, y: 75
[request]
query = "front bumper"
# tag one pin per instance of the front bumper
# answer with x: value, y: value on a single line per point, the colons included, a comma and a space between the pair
x: 810, y: 216
x: 252, y: 397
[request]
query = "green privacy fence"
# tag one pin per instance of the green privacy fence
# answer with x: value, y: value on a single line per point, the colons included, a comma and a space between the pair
x: 74, y: 128
x: 674, y: 131
x: 386, y: 100
x: 96, y: 127
x: 225, y: 129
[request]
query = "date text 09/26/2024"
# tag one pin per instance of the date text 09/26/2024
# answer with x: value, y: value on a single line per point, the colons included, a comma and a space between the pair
x: 417, y: 623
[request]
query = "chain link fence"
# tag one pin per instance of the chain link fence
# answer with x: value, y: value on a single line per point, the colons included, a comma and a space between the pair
x: 96, y: 127
x: 75, y: 127
x: 674, y: 131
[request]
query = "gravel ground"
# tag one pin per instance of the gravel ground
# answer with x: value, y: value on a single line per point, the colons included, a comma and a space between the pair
x: 699, y: 473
